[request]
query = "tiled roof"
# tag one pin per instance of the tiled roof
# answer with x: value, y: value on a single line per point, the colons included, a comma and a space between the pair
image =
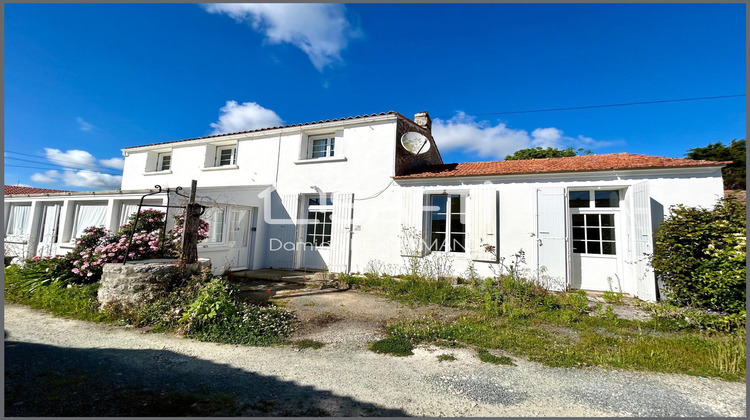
x: 272, y: 128
x: 584, y: 163
x: 12, y: 189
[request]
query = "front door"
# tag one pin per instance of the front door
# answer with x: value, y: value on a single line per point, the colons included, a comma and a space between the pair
x: 239, y: 238
x: 317, y: 233
x: 48, y: 229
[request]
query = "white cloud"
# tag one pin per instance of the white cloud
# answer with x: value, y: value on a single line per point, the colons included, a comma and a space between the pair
x: 71, y: 158
x: 248, y: 116
x: 83, y: 125
x: 48, y: 177
x: 322, y: 31
x: 116, y: 163
x: 91, y: 179
x: 465, y: 134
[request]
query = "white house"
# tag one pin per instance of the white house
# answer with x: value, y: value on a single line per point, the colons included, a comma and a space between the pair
x: 345, y: 192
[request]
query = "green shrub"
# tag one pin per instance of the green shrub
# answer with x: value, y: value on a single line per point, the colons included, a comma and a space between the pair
x: 699, y: 254
x: 395, y: 346
x: 689, y: 318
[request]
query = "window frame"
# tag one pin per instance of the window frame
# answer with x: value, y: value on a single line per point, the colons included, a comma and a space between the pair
x: 10, y: 218
x: 223, y: 232
x: 233, y: 156
x: 76, y: 217
x: 330, y: 140
x: 463, y: 214
x: 160, y: 161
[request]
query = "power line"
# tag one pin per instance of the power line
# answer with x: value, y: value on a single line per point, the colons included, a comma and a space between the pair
x: 74, y: 165
x: 63, y: 167
x: 46, y: 169
x: 605, y: 106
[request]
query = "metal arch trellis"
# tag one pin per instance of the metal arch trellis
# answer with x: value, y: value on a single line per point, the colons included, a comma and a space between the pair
x: 164, y: 225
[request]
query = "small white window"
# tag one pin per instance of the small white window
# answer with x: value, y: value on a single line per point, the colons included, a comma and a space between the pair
x: 321, y: 146
x: 226, y: 155
x: 164, y: 161
x: 88, y: 215
x: 18, y: 222
x: 447, y: 223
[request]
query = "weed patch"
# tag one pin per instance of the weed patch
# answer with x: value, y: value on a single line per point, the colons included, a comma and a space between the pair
x: 449, y: 357
x: 395, y: 346
x: 308, y: 344
x: 488, y: 357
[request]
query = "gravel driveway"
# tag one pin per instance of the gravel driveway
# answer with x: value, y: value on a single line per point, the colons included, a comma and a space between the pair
x: 342, y: 378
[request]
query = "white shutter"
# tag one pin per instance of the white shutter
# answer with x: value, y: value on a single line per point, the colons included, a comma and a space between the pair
x: 483, y: 224
x: 341, y: 232
x: 551, y: 241
x: 643, y: 247
x: 287, y: 232
x: 411, y: 236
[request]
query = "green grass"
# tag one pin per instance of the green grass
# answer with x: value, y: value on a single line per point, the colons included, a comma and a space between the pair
x: 308, y: 344
x: 449, y: 357
x: 488, y: 357
x: 395, y: 346
x: 76, y: 301
x: 415, y: 290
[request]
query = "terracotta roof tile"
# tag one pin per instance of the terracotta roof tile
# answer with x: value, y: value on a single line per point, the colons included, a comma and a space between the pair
x: 584, y: 163
x: 12, y: 189
x: 271, y: 128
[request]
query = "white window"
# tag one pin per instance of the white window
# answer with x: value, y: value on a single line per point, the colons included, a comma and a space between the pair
x: 18, y: 219
x: 88, y: 215
x: 226, y: 155
x: 215, y: 218
x: 593, y: 214
x: 447, y: 223
x: 164, y: 161
x: 321, y: 146
x: 319, y: 222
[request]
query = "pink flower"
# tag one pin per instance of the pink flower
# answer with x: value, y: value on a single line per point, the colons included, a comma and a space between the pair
x: 75, y: 270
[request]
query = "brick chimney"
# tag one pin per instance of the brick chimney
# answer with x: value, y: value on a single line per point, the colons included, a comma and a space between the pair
x: 423, y: 120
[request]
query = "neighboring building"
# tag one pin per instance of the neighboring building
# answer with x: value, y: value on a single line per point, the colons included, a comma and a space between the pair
x: 583, y: 222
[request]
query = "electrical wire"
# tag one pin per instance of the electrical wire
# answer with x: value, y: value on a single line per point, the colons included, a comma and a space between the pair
x: 77, y: 165
x: 603, y: 106
x: 63, y: 167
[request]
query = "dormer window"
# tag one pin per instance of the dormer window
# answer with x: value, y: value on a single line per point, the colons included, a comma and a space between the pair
x: 164, y: 161
x: 226, y: 155
x: 321, y: 146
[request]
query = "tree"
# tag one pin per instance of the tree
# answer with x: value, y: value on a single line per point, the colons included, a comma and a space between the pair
x: 540, y: 153
x: 734, y: 173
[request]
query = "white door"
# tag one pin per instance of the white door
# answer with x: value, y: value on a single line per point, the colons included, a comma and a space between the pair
x: 551, y: 246
x: 595, y: 250
x: 48, y: 229
x: 316, y: 250
x: 238, y: 238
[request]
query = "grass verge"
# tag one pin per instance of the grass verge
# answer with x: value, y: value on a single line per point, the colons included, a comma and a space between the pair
x: 395, y: 346
x: 308, y: 344
x: 488, y: 357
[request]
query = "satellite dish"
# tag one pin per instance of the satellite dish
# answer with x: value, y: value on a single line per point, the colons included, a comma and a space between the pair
x: 415, y: 143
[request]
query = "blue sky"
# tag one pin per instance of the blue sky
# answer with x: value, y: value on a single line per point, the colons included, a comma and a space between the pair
x: 83, y: 81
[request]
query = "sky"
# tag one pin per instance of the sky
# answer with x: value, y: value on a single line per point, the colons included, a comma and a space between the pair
x: 83, y: 81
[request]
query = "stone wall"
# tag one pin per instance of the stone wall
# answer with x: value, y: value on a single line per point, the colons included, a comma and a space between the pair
x: 129, y: 285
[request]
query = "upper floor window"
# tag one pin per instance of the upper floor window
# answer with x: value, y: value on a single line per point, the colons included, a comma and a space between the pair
x: 164, y: 161
x: 226, y: 155
x: 448, y: 223
x: 321, y: 146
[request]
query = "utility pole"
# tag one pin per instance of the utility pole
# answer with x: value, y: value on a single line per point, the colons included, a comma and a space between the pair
x: 189, y: 252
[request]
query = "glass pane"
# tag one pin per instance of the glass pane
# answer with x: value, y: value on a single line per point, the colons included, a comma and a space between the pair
x: 608, y: 234
x: 438, y: 225
x: 437, y: 242
x: 608, y: 248
x: 592, y: 220
x: 313, y: 201
x: 438, y: 201
x: 593, y: 247
x: 327, y: 229
x: 579, y: 233
x: 608, y: 220
x: 457, y: 224
x: 310, y: 232
x: 238, y: 227
x: 577, y: 220
x: 592, y: 233
x: 458, y: 242
x: 607, y: 198
x: 456, y: 205
x: 579, y: 199
x: 579, y: 247
x: 320, y: 216
x: 333, y: 143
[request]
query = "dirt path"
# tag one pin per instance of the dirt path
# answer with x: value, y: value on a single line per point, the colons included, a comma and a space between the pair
x: 102, y: 363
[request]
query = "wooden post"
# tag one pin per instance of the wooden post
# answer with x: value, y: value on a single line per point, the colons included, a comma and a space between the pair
x: 189, y: 252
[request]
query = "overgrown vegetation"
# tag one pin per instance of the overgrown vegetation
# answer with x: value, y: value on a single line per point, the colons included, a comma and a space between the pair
x: 308, y: 344
x: 700, y: 255
x: 446, y: 357
x: 734, y: 174
x: 488, y: 357
x: 395, y: 346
